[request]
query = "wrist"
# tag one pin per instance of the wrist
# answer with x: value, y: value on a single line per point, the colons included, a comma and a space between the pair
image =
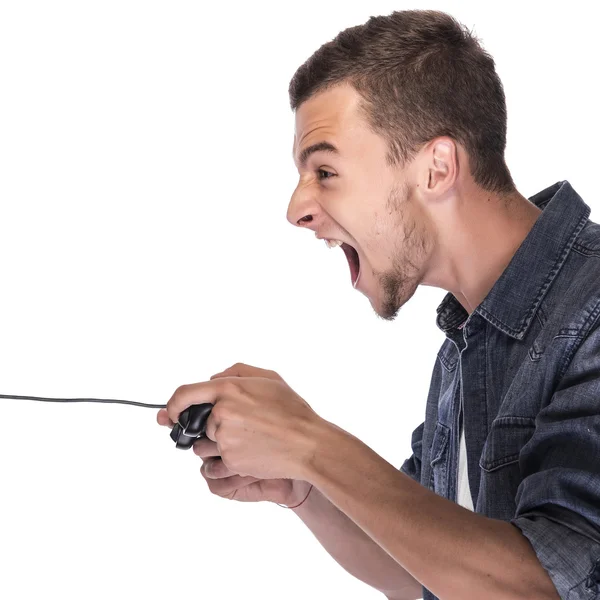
x: 298, y: 494
x: 328, y: 444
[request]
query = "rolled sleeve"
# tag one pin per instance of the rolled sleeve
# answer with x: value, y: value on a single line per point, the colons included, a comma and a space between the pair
x: 571, y: 558
x: 412, y: 465
x: 558, y: 500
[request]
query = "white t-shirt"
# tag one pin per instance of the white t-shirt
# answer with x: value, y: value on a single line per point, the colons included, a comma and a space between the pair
x: 464, y: 492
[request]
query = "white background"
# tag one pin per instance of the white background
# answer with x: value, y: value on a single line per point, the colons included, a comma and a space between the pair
x: 145, y: 172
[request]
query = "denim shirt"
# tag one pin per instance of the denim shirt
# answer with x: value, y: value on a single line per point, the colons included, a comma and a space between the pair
x: 524, y: 368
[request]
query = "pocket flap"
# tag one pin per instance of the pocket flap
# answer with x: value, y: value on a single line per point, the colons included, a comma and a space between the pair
x: 505, y: 441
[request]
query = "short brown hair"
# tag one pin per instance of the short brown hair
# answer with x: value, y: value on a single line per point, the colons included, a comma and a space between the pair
x: 421, y: 74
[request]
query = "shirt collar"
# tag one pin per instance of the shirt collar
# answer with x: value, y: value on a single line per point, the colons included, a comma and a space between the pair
x: 514, y: 299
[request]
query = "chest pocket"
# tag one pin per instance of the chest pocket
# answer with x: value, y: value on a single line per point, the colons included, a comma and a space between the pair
x: 499, y: 463
x: 439, y: 460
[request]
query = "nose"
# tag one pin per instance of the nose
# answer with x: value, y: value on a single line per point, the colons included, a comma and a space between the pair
x: 303, y: 209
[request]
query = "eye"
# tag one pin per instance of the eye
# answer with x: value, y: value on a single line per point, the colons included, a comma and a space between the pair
x: 323, y: 174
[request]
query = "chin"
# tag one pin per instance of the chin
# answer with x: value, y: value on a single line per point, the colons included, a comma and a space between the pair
x: 388, y: 313
x: 388, y: 307
x: 387, y: 310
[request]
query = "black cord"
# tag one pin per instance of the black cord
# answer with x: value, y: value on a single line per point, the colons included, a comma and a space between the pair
x: 103, y: 400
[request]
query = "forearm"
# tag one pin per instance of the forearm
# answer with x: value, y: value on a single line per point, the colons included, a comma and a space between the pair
x: 354, y: 550
x: 455, y: 553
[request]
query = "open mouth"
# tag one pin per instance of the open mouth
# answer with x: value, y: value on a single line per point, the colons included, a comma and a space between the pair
x: 351, y: 256
x: 353, y: 261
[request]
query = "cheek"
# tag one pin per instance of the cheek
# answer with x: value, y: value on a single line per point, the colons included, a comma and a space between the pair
x: 361, y: 213
x: 347, y: 210
x: 379, y: 233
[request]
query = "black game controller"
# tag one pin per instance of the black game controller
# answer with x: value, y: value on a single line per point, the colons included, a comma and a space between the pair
x: 191, y: 425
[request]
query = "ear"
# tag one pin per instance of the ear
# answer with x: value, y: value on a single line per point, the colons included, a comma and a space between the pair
x: 441, y: 165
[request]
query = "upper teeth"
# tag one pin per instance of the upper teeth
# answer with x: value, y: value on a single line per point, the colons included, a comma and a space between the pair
x: 333, y: 243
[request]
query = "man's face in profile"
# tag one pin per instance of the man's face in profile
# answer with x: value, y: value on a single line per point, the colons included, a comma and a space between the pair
x: 354, y: 196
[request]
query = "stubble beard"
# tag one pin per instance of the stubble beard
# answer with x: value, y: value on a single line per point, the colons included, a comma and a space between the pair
x: 399, y: 284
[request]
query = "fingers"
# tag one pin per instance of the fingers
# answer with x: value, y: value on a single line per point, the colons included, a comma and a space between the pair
x: 214, y: 468
x: 210, y: 391
x: 196, y: 393
x: 163, y: 418
x: 205, y: 448
x: 212, y: 465
x: 228, y: 487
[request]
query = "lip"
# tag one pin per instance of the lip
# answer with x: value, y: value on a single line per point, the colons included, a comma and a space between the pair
x: 358, y: 284
x: 333, y: 236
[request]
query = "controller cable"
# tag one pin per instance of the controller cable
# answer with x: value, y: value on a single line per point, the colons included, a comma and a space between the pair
x: 175, y: 435
x: 102, y: 400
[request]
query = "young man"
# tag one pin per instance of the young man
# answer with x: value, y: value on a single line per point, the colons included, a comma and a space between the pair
x: 399, y: 142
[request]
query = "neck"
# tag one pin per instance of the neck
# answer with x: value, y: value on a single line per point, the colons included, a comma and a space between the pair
x: 478, y: 233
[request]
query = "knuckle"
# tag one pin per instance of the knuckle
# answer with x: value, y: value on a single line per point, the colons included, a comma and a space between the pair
x: 226, y: 458
x: 212, y: 469
x: 228, y: 387
x: 216, y: 412
x: 180, y: 391
x: 278, y: 377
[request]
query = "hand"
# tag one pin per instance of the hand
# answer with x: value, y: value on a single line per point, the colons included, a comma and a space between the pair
x: 229, y: 484
x: 244, y: 488
x: 261, y: 426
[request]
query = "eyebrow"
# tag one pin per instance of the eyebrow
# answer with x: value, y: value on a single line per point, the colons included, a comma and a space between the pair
x: 318, y: 147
